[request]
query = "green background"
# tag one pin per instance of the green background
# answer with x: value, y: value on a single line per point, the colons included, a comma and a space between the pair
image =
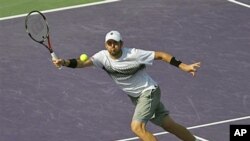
x: 15, y: 7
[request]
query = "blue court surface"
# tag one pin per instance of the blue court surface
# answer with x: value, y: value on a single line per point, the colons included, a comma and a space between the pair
x: 41, y: 103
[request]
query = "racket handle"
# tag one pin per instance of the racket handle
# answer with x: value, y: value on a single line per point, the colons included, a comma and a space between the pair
x: 54, y: 57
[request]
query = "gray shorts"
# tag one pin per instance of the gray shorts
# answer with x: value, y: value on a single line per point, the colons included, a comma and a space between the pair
x: 149, y: 107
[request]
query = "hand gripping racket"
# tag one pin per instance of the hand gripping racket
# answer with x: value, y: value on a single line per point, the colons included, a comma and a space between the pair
x: 37, y: 28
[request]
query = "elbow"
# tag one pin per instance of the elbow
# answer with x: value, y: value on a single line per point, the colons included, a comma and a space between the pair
x: 162, y: 56
x: 159, y: 55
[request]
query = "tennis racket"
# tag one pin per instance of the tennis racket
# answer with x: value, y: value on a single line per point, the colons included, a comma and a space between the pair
x: 37, y: 28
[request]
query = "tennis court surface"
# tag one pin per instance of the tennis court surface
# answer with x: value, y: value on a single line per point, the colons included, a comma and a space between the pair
x: 41, y: 103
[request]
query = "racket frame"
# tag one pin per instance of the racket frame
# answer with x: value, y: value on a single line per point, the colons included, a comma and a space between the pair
x: 46, y: 38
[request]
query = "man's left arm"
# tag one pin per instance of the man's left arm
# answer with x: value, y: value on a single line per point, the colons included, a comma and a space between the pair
x: 190, y: 68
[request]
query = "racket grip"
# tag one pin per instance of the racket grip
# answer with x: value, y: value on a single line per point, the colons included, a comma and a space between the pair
x: 54, y: 57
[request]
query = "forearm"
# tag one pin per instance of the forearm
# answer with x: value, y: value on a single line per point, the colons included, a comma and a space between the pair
x: 168, y: 58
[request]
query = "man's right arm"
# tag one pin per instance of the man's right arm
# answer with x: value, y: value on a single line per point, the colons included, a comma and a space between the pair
x: 73, y: 63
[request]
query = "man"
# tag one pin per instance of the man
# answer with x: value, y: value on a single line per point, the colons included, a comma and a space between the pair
x: 126, y: 66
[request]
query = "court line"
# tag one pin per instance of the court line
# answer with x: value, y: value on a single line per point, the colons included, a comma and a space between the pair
x: 201, y: 139
x: 61, y: 9
x: 239, y: 3
x: 194, y: 127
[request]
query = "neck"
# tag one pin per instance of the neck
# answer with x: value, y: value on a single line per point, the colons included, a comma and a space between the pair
x: 116, y: 56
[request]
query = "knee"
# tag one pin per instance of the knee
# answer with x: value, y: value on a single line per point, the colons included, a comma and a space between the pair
x: 137, y: 128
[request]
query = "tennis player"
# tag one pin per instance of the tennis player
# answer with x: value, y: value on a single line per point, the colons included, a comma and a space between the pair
x: 126, y: 66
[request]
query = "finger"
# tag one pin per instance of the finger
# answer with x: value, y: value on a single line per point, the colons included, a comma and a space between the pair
x: 193, y: 73
x: 55, y: 60
x: 198, y: 64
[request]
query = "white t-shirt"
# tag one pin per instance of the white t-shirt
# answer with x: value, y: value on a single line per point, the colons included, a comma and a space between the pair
x: 129, y: 70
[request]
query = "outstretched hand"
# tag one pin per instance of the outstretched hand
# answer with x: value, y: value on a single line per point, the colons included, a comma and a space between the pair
x: 191, y: 68
x: 57, y: 62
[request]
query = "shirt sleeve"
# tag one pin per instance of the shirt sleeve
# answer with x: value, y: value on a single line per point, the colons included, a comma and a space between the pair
x: 144, y: 56
x: 98, y: 58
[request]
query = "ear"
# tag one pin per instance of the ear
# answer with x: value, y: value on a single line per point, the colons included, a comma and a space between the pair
x: 105, y: 45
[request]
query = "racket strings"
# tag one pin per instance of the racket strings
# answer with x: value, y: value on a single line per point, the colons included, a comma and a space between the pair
x: 37, y: 27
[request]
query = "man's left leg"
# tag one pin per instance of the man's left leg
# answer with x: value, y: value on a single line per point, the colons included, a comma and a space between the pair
x: 139, y: 128
x: 146, y: 104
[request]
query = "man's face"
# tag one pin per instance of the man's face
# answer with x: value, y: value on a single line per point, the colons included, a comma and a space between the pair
x: 113, y: 47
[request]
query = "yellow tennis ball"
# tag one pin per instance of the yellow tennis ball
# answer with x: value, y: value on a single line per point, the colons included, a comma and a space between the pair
x: 84, y: 57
